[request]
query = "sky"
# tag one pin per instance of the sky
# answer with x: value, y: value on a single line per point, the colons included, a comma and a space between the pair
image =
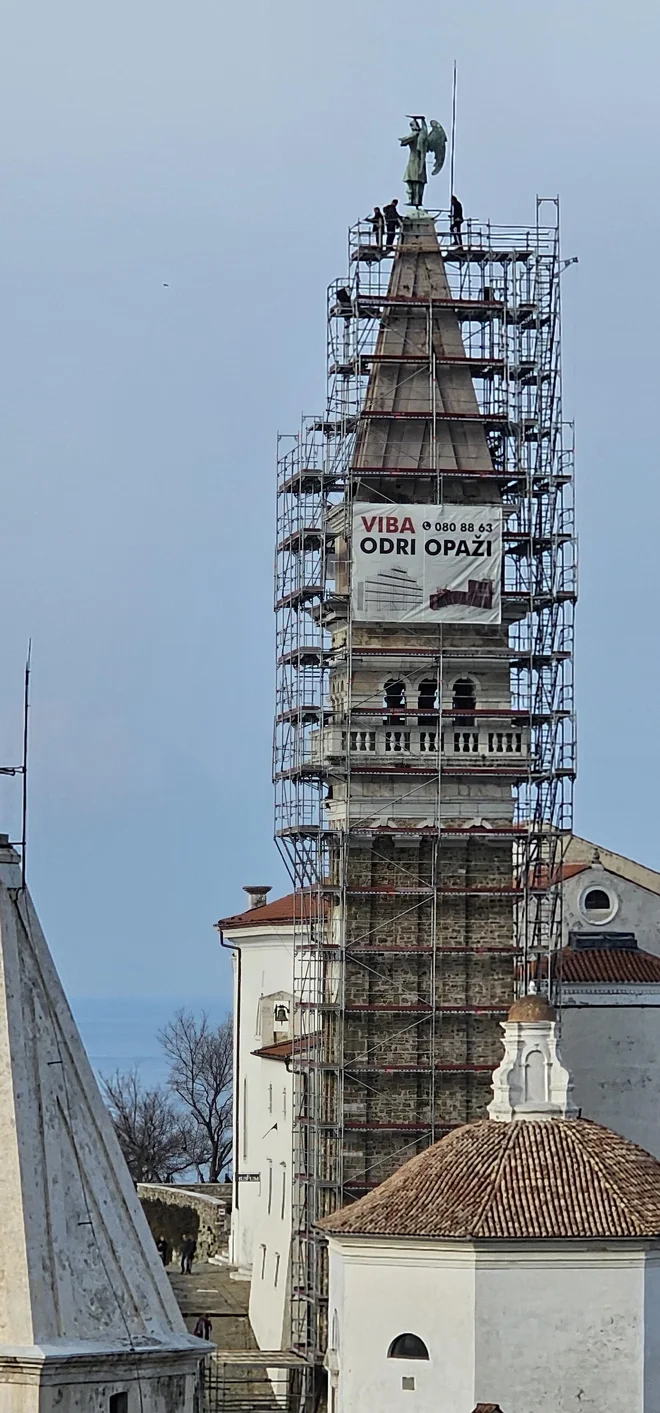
x: 176, y: 185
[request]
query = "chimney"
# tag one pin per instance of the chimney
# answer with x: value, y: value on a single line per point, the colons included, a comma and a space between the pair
x: 256, y: 893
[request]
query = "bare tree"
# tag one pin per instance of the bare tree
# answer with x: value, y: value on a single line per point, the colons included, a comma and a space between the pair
x: 158, y: 1141
x: 200, y: 1076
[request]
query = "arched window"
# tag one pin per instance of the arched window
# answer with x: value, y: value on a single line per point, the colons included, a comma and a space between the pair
x: 394, y: 697
x: 407, y: 1346
x: 597, y: 900
x: 464, y: 701
x: 427, y: 701
x: 598, y: 905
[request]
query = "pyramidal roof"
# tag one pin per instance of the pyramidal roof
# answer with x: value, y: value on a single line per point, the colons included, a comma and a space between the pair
x: 398, y: 384
x: 567, y: 1178
x: 80, y: 1268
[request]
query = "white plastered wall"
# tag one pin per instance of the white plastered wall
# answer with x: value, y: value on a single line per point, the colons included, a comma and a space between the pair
x: 613, y: 1052
x: 381, y: 1290
x: 635, y: 908
x: 270, y: 1285
x: 549, y: 1328
x: 266, y: 967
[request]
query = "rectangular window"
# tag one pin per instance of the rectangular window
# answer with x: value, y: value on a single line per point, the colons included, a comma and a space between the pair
x: 270, y: 1185
x: 263, y: 1261
x: 283, y: 1191
x: 245, y: 1138
x: 284, y: 1103
x: 270, y: 1098
x: 277, y: 1268
x: 118, y: 1403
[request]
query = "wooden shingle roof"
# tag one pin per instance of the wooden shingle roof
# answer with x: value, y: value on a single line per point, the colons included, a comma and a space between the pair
x: 568, y: 1178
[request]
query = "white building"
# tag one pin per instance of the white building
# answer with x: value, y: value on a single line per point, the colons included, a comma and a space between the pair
x: 516, y: 1262
x: 88, y: 1321
x: 610, y: 991
x: 262, y: 942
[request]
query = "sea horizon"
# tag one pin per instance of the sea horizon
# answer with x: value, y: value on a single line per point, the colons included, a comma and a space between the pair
x: 121, y: 1032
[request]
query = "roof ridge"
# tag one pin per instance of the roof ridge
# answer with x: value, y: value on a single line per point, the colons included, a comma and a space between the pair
x: 627, y: 1206
x: 491, y: 1194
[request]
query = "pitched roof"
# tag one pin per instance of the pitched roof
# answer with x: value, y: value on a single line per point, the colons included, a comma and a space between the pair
x: 285, y: 1049
x: 287, y: 910
x: 625, y: 966
x: 568, y: 1178
x: 279, y: 1050
x: 582, y: 851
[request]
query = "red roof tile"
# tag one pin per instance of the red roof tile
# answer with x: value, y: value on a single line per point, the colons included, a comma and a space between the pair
x: 567, y: 1178
x: 282, y: 1049
x: 602, y: 966
x: 281, y: 910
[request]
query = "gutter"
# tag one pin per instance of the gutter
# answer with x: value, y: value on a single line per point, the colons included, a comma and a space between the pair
x: 235, y: 947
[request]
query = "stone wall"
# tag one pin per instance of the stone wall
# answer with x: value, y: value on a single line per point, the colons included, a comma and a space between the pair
x: 174, y: 1211
x: 412, y: 1012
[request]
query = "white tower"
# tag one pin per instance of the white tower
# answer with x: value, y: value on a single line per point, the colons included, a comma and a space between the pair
x: 87, y: 1317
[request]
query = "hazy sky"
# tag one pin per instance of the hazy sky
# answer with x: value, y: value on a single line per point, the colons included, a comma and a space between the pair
x: 177, y: 182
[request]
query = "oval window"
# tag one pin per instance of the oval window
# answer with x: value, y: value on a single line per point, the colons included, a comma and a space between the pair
x: 407, y: 1346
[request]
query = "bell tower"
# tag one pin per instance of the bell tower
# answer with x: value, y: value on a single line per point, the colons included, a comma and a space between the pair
x: 424, y: 736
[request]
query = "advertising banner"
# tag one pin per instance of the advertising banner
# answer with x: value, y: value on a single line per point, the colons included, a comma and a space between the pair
x: 426, y: 563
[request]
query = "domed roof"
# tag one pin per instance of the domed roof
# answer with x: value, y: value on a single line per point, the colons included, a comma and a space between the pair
x: 532, y: 1008
x: 525, y: 1179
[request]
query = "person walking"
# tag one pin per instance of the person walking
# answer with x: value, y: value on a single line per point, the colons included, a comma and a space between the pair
x: 163, y: 1250
x: 392, y: 222
x: 377, y: 223
x: 188, y: 1250
x: 203, y: 1328
x: 456, y: 221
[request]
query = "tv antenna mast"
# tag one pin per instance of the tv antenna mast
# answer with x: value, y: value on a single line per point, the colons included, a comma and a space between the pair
x: 22, y: 769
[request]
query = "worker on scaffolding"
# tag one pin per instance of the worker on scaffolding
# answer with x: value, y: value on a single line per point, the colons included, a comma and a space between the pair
x: 456, y: 221
x: 393, y: 222
x: 377, y: 223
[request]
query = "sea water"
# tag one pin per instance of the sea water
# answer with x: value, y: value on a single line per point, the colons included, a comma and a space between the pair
x: 122, y: 1034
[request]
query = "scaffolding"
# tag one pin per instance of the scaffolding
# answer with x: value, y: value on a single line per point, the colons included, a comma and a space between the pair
x: 426, y: 1064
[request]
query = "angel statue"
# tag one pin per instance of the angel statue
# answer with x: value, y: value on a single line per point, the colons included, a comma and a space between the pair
x: 422, y: 140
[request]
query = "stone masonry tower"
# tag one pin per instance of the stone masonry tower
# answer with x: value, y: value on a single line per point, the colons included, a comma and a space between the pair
x: 424, y: 717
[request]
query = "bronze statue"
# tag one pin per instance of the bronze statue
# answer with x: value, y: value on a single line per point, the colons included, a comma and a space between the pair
x: 421, y: 140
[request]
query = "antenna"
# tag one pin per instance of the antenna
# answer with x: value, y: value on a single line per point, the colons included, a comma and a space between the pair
x: 22, y: 769
x: 26, y: 713
x: 452, y: 158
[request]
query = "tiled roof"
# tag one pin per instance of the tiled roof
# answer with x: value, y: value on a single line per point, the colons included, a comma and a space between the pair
x: 281, y: 910
x: 487, y: 1180
x: 280, y: 1050
x: 602, y: 966
x: 284, y: 1049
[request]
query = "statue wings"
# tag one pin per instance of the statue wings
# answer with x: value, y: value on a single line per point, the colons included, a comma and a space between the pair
x: 437, y: 144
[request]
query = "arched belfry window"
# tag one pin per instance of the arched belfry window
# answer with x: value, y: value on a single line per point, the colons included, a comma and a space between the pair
x: 427, y: 701
x: 394, y: 697
x: 464, y: 701
x: 407, y: 1346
